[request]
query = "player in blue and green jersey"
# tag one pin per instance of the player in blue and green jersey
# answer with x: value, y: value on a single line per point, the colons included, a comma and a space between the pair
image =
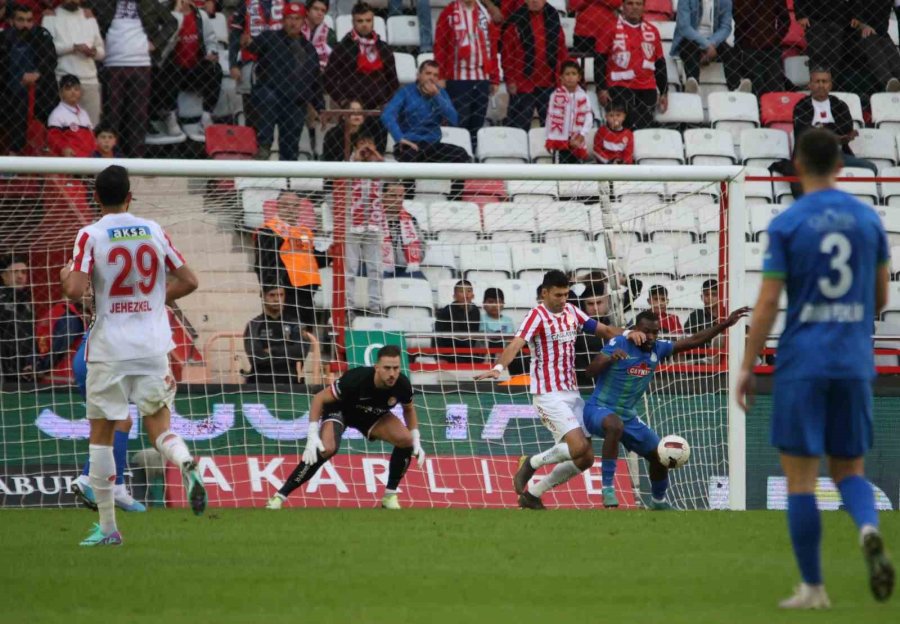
x: 624, y: 371
x: 831, y: 253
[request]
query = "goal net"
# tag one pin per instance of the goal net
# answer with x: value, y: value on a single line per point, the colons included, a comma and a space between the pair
x: 306, y: 269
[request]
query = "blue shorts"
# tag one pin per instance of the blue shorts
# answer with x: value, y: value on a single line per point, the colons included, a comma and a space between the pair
x: 637, y: 437
x: 815, y: 417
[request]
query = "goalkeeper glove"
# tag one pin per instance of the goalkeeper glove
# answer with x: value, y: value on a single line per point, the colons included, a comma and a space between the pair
x: 313, y: 444
x: 417, y: 447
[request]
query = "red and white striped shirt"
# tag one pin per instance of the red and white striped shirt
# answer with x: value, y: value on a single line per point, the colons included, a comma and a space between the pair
x: 127, y: 258
x: 465, y: 43
x: 551, y: 339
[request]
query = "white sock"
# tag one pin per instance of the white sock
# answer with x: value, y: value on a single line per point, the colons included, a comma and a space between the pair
x: 281, y: 496
x: 865, y: 530
x: 103, y: 476
x: 559, y: 475
x: 388, y: 492
x: 173, y: 448
x: 83, y: 479
x: 552, y: 455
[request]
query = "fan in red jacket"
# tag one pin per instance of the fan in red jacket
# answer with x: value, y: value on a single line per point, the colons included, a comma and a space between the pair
x: 69, y: 128
x: 465, y: 49
x: 630, y: 66
x: 592, y: 17
x: 614, y: 143
x: 534, y: 49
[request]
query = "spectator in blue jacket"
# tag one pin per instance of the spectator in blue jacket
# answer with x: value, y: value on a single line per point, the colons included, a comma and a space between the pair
x: 288, y: 80
x: 701, y: 28
x: 414, y: 115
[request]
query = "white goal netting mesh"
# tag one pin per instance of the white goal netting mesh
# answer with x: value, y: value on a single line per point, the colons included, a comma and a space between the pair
x: 329, y: 265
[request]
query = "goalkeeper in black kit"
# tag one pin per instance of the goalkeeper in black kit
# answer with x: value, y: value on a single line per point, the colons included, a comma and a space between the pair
x: 362, y: 398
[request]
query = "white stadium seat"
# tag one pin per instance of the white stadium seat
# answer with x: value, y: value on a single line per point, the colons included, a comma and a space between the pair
x: 457, y: 136
x: 407, y: 293
x: 753, y: 256
x: 697, y: 260
x: 534, y: 260
x: 759, y: 190
x: 587, y: 257
x: 864, y: 191
x: 532, y: 188
x: 796, y: 69
x: 255, y: 193
x: 760, y: 216
x: 454, y: 221
x: 563, y: 217
x: 684, y: 108
x: 537, y: 146
x: 854, y: 104
x: 376, y: 323
x: 705, y: 146
x: 439, y: 262
x: 406, y: 68
x: 890, y: 191
x: 658, y: 146
x: 502, y: 144
x: 403, y: 31
x: 877, y: 146
x: 885, y: 109
x: 651, y: 260
x: 516, y: 293
x: 508, y: 217
x: 890, y: 217
x: 733, y: 111
x: 760, y: 147
x: 671, y: 225
x: 485, y: 261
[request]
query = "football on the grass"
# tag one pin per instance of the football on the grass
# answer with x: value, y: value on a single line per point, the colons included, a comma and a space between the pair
x: 673, y: 451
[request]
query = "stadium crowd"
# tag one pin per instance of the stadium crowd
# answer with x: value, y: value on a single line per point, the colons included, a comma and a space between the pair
x: 80, y: 68
x: 94, y: 77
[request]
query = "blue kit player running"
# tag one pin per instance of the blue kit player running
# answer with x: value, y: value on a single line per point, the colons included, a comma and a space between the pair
x: 624, y: 371
x: 831, y: 253
x: 82, y: 485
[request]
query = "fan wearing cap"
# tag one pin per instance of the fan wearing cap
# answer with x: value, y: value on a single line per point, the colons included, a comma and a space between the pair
x: 288, y: 79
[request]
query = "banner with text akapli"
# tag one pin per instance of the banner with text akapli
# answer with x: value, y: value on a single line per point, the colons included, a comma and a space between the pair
x: 470, y: 481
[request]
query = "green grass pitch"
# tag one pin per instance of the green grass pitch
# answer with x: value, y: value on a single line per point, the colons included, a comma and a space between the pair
x: 423, y: 566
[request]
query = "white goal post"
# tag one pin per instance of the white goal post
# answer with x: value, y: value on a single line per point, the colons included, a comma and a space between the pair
x: 724, y: 184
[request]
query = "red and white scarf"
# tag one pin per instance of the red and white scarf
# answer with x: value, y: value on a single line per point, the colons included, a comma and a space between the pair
x: 319, y: 39
x: 366, y: 210
x: 568, y: 114
x: 368, y: 59
x: 472, y: 56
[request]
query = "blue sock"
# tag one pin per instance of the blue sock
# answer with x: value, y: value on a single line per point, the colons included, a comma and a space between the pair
x: 120, y: 451
x: 805, y: 527
x: 87, y: 467
x: 859, y: 500
x: 608, y: 468
x: 658, y: 488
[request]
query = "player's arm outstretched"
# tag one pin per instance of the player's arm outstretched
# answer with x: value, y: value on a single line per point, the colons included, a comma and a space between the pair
x: 702, y: 337
x: 314, y: 443
x: 509, y: 353
x: 412, y: 423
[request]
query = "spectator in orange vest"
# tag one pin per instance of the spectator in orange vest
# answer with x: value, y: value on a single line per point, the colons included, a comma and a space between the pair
x: 287, y: 256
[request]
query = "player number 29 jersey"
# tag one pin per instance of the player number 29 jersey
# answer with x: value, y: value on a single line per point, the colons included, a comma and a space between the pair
x: 127, y: 258
x: 827, y: 247
x: 551, y: 340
